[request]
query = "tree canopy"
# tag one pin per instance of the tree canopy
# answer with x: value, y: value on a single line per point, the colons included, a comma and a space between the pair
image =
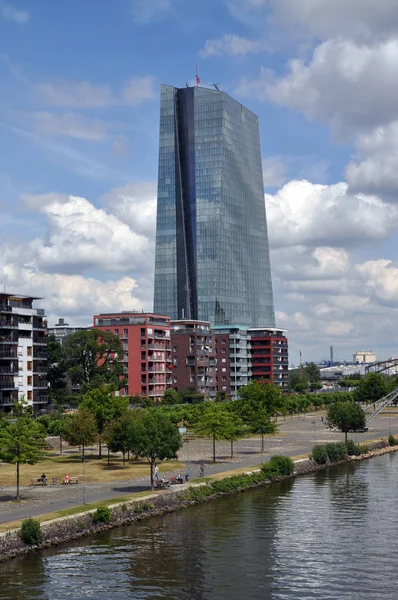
x: 93, y: 358
x: 21, y: 442
x: 371, y: 388
x: 81, y: 429
x: 346, y: 416
x: 215, y: 423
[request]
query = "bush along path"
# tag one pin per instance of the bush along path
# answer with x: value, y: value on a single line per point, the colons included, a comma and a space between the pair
x: 34, y: 536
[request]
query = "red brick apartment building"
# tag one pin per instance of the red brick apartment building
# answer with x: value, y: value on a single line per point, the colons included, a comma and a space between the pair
x: 194, y: 362
x: 147, y: 350
x: 269, y: 355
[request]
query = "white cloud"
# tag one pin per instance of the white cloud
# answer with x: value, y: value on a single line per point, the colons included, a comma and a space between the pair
x: 70, y: 125
x: 145, y: 11
x: 375, y: 168
x: 274, y: 172
x: 10, y: 13
x: 74, y: 94
x: 139, y: 89
x: 84, y: 94
x: 135, y: 205
x: 234, y: 45
x: 347, y: 86
x: 81, y: 237
x: 359, y: 20
x: 302, y: 213
x: 380, y: 278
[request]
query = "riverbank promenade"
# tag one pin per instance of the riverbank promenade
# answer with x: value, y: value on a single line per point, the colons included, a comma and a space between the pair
x: 296, y: 436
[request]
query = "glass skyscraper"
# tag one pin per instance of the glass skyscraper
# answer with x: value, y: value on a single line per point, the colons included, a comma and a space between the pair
x: 212, y: 257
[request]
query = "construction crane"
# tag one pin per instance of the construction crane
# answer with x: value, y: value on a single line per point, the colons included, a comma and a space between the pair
x: 215, y: 85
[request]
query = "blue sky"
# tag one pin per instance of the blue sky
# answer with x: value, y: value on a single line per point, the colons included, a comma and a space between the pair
x: 79, y: 118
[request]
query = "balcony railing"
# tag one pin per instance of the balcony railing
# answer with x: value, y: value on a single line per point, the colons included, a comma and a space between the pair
x: 7, y: 385
x: 41, y: 400
x: 8, y: 354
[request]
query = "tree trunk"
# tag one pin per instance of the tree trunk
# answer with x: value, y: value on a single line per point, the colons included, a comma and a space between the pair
x: 17, y: 480
x: 124, y: 460
x: 152, y: 473
x: 100, y: 446
x: 232, y: 449
x: 262, y: 442
x: 214, y: 448
x: 109, y: 457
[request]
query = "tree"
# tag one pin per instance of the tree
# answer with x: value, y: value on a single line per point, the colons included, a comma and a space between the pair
x: 315, y: 386
x: 255, y: 395
x: 92, y: 359
x: 221, y: 396
x: 154, y: 437
x: 234, y: 431
x: 105, y: 407
x: 21, y: 442
x: 312, y: 371
x: 346, y: 416
x: 298, y: 381
x: 261, y: 422
x: 81, y: 429
x: 371, y: 388
x: 119, y: 435
x: 171, y: 396
x: 214, y: 422
x: 56, y: 371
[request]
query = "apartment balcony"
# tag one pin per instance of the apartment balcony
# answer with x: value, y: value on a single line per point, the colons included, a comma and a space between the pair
x: 7, y: 371
x: 41, y: 384
x: 41, y: 355
x: 8, y: 385
x: 7, y: 401
x: 5, y: 308
x: 10, y: 353
x: 190, y: 361
x: 41, y: 400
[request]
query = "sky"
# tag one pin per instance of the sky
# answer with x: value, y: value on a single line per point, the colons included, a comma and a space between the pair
x: 79, y: 126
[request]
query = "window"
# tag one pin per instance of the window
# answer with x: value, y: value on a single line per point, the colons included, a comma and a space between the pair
x: 224, y: 370
x: 30, y: 395
x: 223, y: 351
x: 223, y: 341
x: 108, y: 330
x: 125, y: 332
x: 30, y: 365
x: 116, y: 331
x: 142, y: 332
x: 224, y: 360
x: 29, y: 351
x: 125, y: 345
x: 224, y: 378
x: 174, y: 348
x: 30, y: 379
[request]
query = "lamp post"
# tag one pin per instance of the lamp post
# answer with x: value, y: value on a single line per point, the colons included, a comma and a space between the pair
x: 314, y: 424
x: 84, y: 477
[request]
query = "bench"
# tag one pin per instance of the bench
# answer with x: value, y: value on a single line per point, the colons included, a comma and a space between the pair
x: 37, y: 481
x: 175, y: 481
x: 162, y: 484
x: 71, y: 480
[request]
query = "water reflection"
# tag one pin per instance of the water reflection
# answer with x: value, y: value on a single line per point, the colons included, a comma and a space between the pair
x: 322, y: 537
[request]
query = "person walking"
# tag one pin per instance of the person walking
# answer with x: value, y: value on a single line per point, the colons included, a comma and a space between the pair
x: 156, y: 472
x: 202, y: 470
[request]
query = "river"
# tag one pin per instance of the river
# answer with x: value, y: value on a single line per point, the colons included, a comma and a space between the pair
x: 329, y: 536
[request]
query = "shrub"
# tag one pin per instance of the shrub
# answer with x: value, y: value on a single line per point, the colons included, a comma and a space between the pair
x: 102, y: 515
x: 148, y: 506
x: 392, y: 440
x: 269, y: 471
x: 283, y: 464
x: 319, y: 454
x: 336, y: 451
x: 363, y: 448
x: 353, y: 449
x: 31, y: 532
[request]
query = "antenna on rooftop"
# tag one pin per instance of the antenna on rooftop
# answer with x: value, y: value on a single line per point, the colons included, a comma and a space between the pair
x: 215, y: 85
x: 197, y: 75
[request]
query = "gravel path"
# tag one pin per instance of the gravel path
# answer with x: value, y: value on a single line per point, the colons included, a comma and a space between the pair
x: 296, y: 436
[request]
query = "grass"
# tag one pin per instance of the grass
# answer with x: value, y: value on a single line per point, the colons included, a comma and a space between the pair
x: 71, y: 464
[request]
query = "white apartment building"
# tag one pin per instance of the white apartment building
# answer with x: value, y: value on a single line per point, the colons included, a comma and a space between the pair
x: 23, y: 352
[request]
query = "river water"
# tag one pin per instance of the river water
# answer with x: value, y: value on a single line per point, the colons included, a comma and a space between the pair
x: 329, y: 536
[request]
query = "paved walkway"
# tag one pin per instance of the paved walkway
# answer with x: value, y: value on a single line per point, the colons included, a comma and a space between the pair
x: 296, y: 436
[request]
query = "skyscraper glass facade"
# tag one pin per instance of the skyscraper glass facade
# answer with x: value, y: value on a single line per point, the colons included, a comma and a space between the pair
x: 212, y: 256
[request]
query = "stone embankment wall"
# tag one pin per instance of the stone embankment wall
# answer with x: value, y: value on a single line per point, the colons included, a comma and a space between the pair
x: 59, y: 531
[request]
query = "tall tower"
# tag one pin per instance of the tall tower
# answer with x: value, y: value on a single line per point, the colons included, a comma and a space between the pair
x: 212, y: 257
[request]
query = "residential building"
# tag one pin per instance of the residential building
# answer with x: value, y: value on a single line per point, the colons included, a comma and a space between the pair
x: 194, y: 362
x: 269, y: 355
x: 212, y: 255
x: 147, y: 350
x: 364, y: 356
x: 232, y: 345
x: 62, y: 330
x: 23, y: 352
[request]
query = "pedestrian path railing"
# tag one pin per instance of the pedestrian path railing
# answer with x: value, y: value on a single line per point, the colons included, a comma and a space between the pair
x: 391, y: 398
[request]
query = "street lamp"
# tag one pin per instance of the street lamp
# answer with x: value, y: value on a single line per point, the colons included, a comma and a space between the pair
x: 313, y: 422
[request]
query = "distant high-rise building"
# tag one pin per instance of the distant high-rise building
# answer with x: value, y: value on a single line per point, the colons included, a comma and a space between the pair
x: 212, y: 256
x: 62, y: 330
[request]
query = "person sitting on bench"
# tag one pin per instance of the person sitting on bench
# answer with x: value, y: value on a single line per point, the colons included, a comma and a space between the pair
x: 44, y: 479
x: 66, y: 480
x: 179, y: 478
